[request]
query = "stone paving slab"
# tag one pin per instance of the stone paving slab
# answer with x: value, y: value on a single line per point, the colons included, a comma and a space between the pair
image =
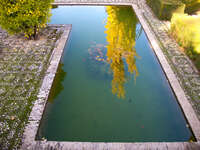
x: 94, y: 2
x: 42, y: 145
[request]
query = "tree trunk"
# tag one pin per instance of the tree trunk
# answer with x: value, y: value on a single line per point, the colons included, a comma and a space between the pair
x: 35, y: 33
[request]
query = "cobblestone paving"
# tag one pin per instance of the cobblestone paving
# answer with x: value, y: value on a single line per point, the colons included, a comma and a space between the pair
x: 22, y: 66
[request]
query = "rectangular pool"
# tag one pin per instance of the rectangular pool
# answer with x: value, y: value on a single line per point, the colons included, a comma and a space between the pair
x: 110, y: 86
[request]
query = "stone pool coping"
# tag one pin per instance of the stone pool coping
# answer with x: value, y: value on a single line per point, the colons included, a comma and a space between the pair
x: 29, y: 141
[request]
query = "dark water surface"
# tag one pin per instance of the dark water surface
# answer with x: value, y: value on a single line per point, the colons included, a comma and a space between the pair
x: 110, y: 86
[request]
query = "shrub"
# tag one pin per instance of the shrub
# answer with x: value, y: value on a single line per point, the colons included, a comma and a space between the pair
x: 186, y: 30
x: 24, y: 16
x: 164, y: 9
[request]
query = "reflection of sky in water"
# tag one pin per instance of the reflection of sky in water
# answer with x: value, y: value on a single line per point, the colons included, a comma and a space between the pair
x: 102, y: 101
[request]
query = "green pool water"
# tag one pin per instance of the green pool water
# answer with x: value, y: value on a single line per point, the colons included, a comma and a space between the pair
x: 110, y: 86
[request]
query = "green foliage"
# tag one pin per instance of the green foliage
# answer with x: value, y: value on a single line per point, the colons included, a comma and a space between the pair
x: 164, y: 9
x: 24, y: 16
x: 186, y: 30
x: 191, y: 6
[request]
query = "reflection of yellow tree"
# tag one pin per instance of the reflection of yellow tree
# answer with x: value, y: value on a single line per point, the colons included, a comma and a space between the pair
x: 121, y: 34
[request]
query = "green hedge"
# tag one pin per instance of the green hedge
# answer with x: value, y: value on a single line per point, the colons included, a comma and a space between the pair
x: 164, y: 9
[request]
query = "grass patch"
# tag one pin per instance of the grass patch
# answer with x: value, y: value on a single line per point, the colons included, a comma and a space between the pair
x: 186, y: 30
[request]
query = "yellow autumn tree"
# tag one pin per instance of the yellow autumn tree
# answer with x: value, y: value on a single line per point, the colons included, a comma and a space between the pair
x: 121, y: 34
x: 24, y: 16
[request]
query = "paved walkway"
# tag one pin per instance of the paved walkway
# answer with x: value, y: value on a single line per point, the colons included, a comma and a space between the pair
x: 22, y: 67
